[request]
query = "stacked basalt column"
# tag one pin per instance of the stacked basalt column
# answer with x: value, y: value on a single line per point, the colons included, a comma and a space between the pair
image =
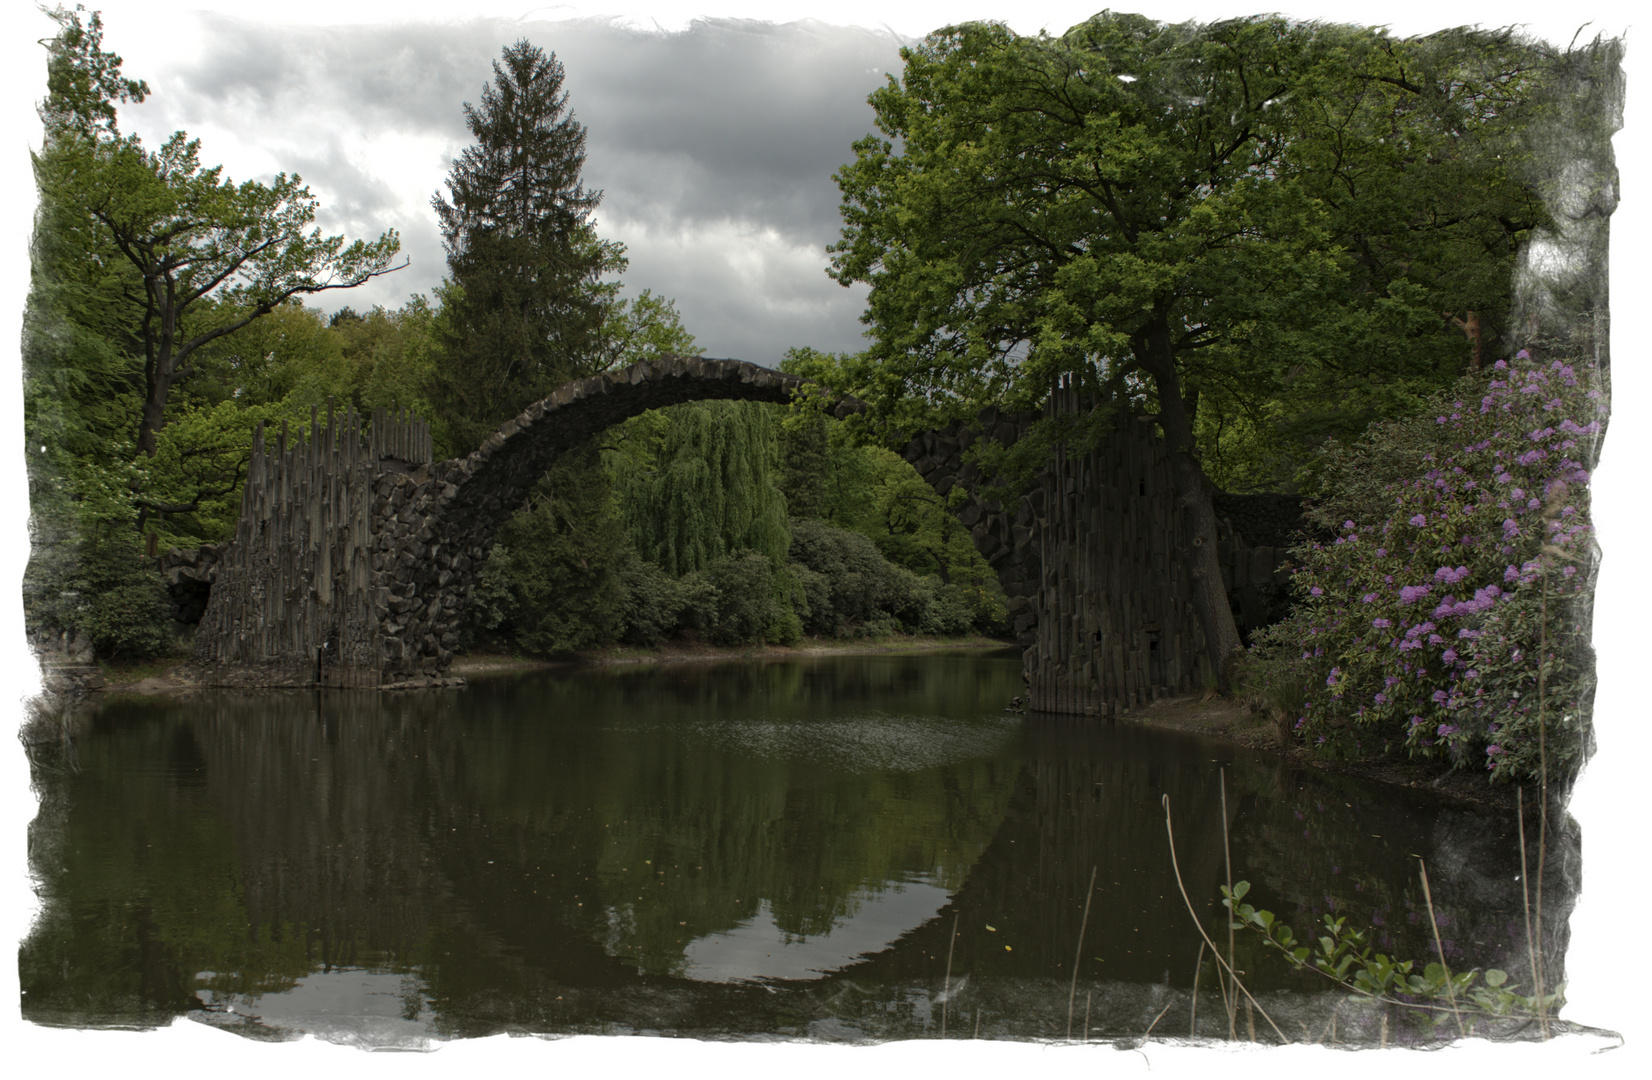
x: 1091, y: 561
x: 292, y: 601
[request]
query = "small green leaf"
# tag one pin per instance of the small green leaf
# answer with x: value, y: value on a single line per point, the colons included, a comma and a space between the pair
x: 1495, y: 978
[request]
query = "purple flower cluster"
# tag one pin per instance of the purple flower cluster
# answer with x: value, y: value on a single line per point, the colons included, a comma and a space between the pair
x: 1456, y: 675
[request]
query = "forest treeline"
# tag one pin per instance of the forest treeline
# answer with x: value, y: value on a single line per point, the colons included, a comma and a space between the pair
x: 1305, y: 251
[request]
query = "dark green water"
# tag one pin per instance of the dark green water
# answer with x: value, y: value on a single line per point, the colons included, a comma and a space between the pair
x: 740, y: 850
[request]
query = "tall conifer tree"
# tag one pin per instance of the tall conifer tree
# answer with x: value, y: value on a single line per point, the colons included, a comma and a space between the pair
x: 522, y: 250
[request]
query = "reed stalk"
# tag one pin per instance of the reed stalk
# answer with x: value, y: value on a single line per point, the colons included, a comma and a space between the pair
x: 1153, y: 1025
x: 1451, y: 992
x: 1193, y: 1022
x: 1543, y: 798
x: 1078, y: 953
x: 946, y: 991
x: 1177, y: 870
x: 1526, y: 896
x: 1231, y: 1000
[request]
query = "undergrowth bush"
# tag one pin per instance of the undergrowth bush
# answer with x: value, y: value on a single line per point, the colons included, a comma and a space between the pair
x: 102, y: 588
x: 1452, y: 612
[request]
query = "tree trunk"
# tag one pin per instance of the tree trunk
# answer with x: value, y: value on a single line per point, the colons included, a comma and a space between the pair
x: 1194, y: 495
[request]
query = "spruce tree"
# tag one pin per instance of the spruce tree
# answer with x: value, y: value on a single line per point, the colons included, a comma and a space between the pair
x: 527, y: 309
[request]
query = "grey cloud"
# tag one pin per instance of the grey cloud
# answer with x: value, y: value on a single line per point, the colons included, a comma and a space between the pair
x: 730, y: 129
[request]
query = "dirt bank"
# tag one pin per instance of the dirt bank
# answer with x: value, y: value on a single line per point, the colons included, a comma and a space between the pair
x: 481, y: 663
x: 1230, y: 719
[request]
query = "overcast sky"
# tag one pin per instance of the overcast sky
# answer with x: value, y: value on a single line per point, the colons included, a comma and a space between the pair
x: 714, y: 143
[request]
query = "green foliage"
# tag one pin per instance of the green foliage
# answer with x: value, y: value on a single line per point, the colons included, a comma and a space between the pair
x: 856, y: 590
x: 550, y: 584
x: 1274, y: 222
x: 697, y: 484
x: 1344, y: 954
x: 144, y: 264
x: 100, y: 587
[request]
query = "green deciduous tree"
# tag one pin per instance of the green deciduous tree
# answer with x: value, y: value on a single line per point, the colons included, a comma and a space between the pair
x: 187, y: 233
x: 709, y: 490
x: 1147, y: 211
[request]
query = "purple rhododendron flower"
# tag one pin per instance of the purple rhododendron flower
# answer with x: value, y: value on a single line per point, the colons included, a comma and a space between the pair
x: 1412, y: 593
x: 1381, y: 624
x: 1419, y: 521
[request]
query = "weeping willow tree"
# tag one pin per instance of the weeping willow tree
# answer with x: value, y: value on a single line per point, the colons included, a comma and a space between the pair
x: 704, y: 485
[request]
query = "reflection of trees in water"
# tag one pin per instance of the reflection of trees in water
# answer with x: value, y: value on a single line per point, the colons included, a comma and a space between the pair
x: 139, y: 884
x: 685, y: 834
x: 541, y: 851
x: 492, y: 840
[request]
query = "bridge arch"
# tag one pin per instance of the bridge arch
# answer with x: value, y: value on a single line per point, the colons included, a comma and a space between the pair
x: 355, y: 554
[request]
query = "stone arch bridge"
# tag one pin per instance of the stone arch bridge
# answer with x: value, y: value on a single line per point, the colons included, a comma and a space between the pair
x: 355, y: 554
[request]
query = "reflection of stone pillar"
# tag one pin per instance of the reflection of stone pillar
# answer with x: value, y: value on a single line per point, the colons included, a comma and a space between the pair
x: 325, y: 805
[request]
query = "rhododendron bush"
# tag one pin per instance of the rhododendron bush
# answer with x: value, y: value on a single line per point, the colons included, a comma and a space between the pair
x: 1452, y: 612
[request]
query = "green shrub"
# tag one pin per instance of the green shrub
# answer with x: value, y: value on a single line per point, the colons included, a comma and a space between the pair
x: 104, y: 589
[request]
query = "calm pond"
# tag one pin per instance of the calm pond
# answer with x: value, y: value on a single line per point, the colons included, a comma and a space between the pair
x: 747, y: 850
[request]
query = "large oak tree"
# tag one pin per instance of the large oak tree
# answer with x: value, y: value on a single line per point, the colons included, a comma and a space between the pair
x: 1152, y: 212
